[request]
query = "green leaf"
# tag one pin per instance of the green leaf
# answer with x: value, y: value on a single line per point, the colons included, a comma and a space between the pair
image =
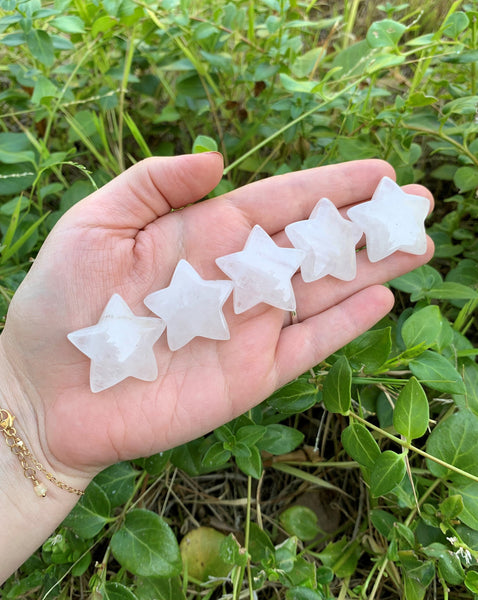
x: 382, y: 34
x: 455, y: 24
x: 216, y: 456
x: 435, y: 371
x: 159, y: 588
x: 337, y: 391
x: 43, y: 88
x: 118, y: 482
x: 295, y: 86
x: 455, y: 441
x: 387, y: 473
x: 471, y: 581
x: 423, y: 327
x: 91, y: 513
x: 250, y: 465
x: 452, y: 506
x: 250, y: 434
x: 360, y: 444
x: 40, y: 45
x: 303, y: 593
x: 68, y: 24
x: 468, y: 490
x: 260, y: 546
x: 16, y: 148
x: 341, y: 556
x: 204, y: 143
x: 449, y: 565
x: 417, y: 282
x: 370, y: 350
x: 383, y: 522
x: 466, y: 178
x: 232, y: 553
x: 15, y: 178
x: 280, y: 439
x: 146, y: 545
x: 301, y: 522
x: 449, y: 290
x: 464, y: 105
x: 116, y: 591
x: 296, y: 397
x: 411, y: 414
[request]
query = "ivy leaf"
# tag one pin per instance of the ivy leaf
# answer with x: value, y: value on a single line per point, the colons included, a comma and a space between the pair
x: 435, y: 371
x: 388, y: 471
x: 91, y: 513
x: 117, y: 482
x: 385, y: 33
x: 146, y: 545
x: 337, y: 392
x: 360, y: 444
x: 411, y: 414
x: 370, y: 350
x: 423, y: 327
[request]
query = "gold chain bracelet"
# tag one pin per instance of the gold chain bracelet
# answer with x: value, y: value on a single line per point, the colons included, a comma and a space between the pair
x: 29, y: 463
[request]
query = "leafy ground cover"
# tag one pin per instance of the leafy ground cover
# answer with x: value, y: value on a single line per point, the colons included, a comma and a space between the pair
x: 359, y: 479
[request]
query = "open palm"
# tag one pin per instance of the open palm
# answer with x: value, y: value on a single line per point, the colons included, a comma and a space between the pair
x: 128, y: 238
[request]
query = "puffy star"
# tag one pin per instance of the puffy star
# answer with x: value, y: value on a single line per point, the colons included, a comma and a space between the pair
x: 328, y: 241
x: 392, y: 220
x: 120, y: 345
x: 191, y: 306
x: 262, y: 272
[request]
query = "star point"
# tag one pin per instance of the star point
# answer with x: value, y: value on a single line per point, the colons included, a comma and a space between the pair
x: 328, y: 241
x: 392, y: 220
x: 261, y: 272
x: 191, y: 306
x: 120, y: 345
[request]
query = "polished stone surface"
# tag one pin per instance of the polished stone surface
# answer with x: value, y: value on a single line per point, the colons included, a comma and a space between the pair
x: 120, y: 345
x: 328, y: 241
x: 262, y: 272
x: 191, y: 306
x: 392, y: 220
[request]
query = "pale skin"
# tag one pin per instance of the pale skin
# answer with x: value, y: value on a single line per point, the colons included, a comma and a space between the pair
x: 125, y: 238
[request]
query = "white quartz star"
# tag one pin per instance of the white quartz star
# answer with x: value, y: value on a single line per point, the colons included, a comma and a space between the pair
x: 191, y: 306
x: 392, y: 220
x: 262, y: 272
x: 328, y: 241
x: 120, y: 345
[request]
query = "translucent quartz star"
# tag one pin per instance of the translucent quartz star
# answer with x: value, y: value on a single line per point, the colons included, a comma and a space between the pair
x: 328, y: 241
x: 262, y: 272
x: 120, y: 345
x: 392, y: 220
x: 191, y: 306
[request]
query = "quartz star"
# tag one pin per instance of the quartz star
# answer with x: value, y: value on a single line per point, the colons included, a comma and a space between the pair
x: 262, y: 272
x: 328, y: 241
x: 120, y: 345
x: 191, y: 306
x: 392, y: 220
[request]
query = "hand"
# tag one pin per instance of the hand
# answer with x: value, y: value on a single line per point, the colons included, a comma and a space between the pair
x: 125, y: 238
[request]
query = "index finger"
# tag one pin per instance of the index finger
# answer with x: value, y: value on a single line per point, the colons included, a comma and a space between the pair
x: 277, y: 201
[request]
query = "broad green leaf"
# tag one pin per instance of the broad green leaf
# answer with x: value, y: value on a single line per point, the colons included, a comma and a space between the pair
x: 280, y: 439
x: 423, y: 327
x: 455, y: 24
x: 260, y: 546
x: 411, y: 414
x: 40, y: 45
x: 302, y: 593
x: 15, y: 178
x: 466, y: 179
x: 360, y: 444
x: 452, y: 506
x: 341, y: 556
x: 417, y: 282
x: 116, y: 591
x: 471, y: 581
x: 91, y: 513
x: 370, y: 350
x: 250, y: 434
x: 16, y: 148
x: 388, y: 471
x: 383, y: 522
x: 305, y: 63
x: 68, y: 24
x: 384, y: 61
x: 449, y: 565
x: 337, y: 390
x: 216, y: 456
x: 118, y: 482
x: 462, y: 106
x: 293, y: 85
x: 300, y: 521
x: 455, y: 441
x: 296, y: 397
x: 204, y: 143
x: 146, y: 545
x: 382, y: 34
x: 250, y: 465
x: 159, y: 588
x: 232, y: 553
x: 468, y: 490
x: 450, y: 290
x: 435, y: 371
x: 200, y: 552
x: 44, y: 88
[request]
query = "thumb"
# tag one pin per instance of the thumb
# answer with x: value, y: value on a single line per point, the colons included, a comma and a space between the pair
x: 148, y: 190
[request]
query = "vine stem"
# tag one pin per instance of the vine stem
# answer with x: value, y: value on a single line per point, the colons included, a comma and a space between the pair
x: 409, y: 446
